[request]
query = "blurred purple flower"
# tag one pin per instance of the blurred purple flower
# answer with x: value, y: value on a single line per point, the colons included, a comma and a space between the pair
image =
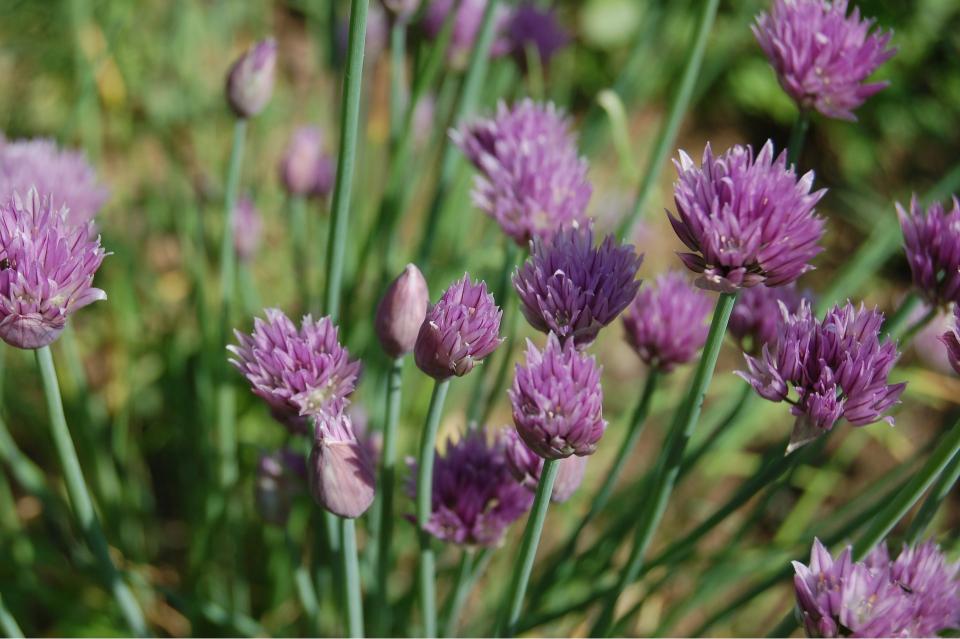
x: 931, y: 239
x: 532, y: 180
x: 341, y: 471
x: 951, y: 339
x: 572, y: 288
x: 927, y: 343
x: 250, y: 79
x: 459, y: 331
x: 65, y: 176
x: 531, y: 26
x: 247, y: 227
x: 748, y: 220
x: 47, y: 266
x: 280, y: 476
x: 821, y: 55
x: 466, y: 27
x: 401, y: 311
x: 526, y: 465
x: 424, y: 119
x: 667, y: 323
x: 305, y: 168
x: 756, y: 315
x: 557, y: 400
x: 839, y: 368
x: 475, y: 498
x: 299, y: 373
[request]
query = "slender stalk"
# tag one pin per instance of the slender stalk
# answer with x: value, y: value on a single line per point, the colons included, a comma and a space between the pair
x: 7, y: 623
x: 684, y: 424
x: 932, y: 503
x: 427, y: 578
x: 528, y: 546
x: 398, y: 80
x: 351, y: 573
x: 897, y: 321
x: 458, y: 599
x: 346, y: 157
x: 301, y: 248
x: 671, y: 124
x: 80, y: 496
x: 304, y: 584
x: 460, y: 590
x: 797, y: 137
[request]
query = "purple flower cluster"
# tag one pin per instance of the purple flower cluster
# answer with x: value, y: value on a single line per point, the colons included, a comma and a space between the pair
x: 822, y: 56
x: 951, y: 340
x: 475, y: 497
x: 341, y: 468
x: 466, y: 27
x: 756, y: 315
x: 526, y: 466
x: 63, y: 175
x: 250, y: 79
x: 667, y: 323
x: 459, y: 331
x: 932, y: 242
x: 305, y: 169
x: 299, y: 373
x: 532, y: 180
x: 572, y: 288
x: 557, y: 400
x: 918, y: 595
x: 47, y: 266
x: 839, y: 368
x: 747, y: 220
x: 538, y: 28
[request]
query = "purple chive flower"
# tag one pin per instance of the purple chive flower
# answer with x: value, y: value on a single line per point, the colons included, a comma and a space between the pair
x: 341, y: 470
x: 532, y: 179
x: 474, y: 497
x: 756, y: 315
x: 748, y: 220
x: 557, y: 400
x: 466, y: 27
x: 839, y: 368
x: 667, y: 323
x: 305, y: 168
x: 572, y: 288
x: 401, y: 311
x: 526, y: 466
x: 63, y: 175
x: 821, y: 55
x: 951, y: 339
x: 932, y: 584
x: 931, y: 238
x: 280, y: 476
x: 247, y: 227
x: 46, y: 269
x: 299, y: 373
x: 250, y: 79
x: 459, y: 331
x: 531, y: 26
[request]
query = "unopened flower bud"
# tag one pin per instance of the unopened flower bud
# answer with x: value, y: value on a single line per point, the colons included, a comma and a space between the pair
x: 250, y: 80
x: 341, y: 471
x: 401, y: 312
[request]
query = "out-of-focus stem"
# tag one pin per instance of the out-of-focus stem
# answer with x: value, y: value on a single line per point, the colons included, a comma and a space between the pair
x: 301, y: 248
x: 351, y: 573
x: 797, y: 137
x: 7, y: 622
x: 932, y: 503
x: 460, y: 590
x: 897, y: 320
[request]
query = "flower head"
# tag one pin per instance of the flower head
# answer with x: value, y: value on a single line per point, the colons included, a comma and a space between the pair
x: 572, y: 288
x: 247, y: 227
x: 839, y: 368
x: 250, y: 79
x: 63, y: 175
x: 299, y: 373
x: 756, y: 315
x: 823, y: 56
x: 305, y: 168
x: 474, y: 497
x: 401, y: 311
x: 459, y: 331
x: 747, y: 220
x: 531, y: 26
x: 466, y: 27
x: 557, y: 400
x: 46, y: 269
x: 951, y: 339
x: 526, y: 466
x: 932, y: 242
x: 341, y: 469
x: 532, y: 180
x: 667, y: 323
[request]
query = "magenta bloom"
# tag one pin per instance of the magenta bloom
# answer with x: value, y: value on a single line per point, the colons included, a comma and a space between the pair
x: 821, y: 55
x: 667, y: 323
x: 747, y: 220
x: 531, y: 26
x: 532, y: 180
x: 299, y: 373
x: 572, y: 288
x: 557, y: 400
x: 951, y: 339
x: 247, y: 228
x: 46, y: 269
x: 341, y: 470
x: 756, y: 315
x: 63, y: 175
x: 526, y: 466
x: 932, y: 241
x: 250, y: 79
x: 466, y: 27
x: 305, y: 168
x: 839, y: 368
x: 459, y: 331
x: 475, y: 498
x: 401, y: 311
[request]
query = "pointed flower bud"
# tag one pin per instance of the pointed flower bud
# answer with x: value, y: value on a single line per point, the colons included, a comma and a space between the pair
x: 526, y: 466
x: 306, y: 169
x: 250, y: 79
x: 341, y: 470
x: 401, y: 311
x: 931, y: 239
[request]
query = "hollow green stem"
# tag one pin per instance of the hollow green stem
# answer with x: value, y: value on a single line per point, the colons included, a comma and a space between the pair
x: 351, y: 574
x: 897, y: 321
x: 428, y: 439
x: 461, y: 589
x: 346, y: 157
x: 7, y: 623
x: 528, y: 546
x: 398, y: 79
x: 80, y: 496
x: 671, y: 124
x: 797, y: 137
x: 682, y: 429
x: 948, y: 478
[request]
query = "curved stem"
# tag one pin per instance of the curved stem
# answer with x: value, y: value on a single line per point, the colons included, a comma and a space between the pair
x: 897, y: 320
x: 351, y: 573
x: 461, y: 589
x: 7, y: 622
x: 797, y: 137
x: 932, y: 503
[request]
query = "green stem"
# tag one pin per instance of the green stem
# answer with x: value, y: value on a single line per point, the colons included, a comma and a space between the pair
x: 304, y: 584
x: 346, y: 157
x: 897, y: 321
x: 671, y: 124
x: 301, y: 249
x: 797, y: 136
x: 398, y: 80
x: 460, y: 591
x: 682, y: 429
x: 7, y: 622
x: 528, y: 546
x: 918, y: 326
x: 80, y: 496
x: 351, y: 574
x: 428, y: 438
x: 932, y: 503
